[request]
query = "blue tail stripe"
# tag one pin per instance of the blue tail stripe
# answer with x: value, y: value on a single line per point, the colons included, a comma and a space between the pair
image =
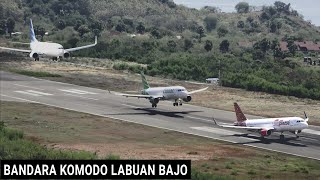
x: 32, y: 34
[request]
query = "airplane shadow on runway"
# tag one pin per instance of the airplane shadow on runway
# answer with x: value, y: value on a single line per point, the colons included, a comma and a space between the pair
x: 286, y: 141
x: 153, y: 111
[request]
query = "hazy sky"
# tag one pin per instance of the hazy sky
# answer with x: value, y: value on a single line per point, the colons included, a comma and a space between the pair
x: 310, y: 9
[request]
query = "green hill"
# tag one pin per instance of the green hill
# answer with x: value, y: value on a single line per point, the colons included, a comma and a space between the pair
x: 180, y: 42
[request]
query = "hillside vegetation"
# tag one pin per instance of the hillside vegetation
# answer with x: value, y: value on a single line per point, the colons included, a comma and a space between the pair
x: 179, y: 42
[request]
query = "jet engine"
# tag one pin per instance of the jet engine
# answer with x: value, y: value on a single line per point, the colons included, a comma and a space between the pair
x: 265, y: 132
x: 66, y: 55
x: 34, y: 55
x: 188, y: 99
x: 154, y: 100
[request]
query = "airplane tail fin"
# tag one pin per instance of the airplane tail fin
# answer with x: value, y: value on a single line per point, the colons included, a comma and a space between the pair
x: 32, y: 34
x: 240, y: 116
x: 144, y: 81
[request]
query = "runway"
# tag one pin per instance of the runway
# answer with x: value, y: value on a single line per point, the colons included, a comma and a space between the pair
x: 187, y: 118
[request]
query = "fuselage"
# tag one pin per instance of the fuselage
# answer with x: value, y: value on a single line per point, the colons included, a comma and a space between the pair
x: 167, y: 93
x: 47, y: 49
x: 277, y: 124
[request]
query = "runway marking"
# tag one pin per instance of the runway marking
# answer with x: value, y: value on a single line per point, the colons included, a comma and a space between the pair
x: 41, y: 93
x: 81, y: 91
x: 76, y: 91
x: 71, y: 91
x: 130, y: 106
x: 214, y: 130
x: 310, y: 131
x: 28, y: 86
x: 28, y: 93
x: 81, y: 96
x: 181, y: 131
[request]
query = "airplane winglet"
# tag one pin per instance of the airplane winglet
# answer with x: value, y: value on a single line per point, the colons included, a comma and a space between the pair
x: 95, y: 40
x: 305, y: 116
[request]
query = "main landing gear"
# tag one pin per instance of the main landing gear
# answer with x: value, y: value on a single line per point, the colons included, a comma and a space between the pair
x: 281, y: 137
x: 177, y: 103
x: 36, y: 59
x: 55, y: 59
x: 154, y: 105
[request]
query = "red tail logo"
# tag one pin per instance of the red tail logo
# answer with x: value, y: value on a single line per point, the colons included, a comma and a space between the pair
x: 240, y: 116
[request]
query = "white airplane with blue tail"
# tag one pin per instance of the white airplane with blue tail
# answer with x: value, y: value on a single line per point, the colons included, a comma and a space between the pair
x: 48, y: 49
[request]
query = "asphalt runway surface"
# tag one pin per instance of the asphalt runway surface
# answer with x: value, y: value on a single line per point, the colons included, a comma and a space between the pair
x: 188, y: 119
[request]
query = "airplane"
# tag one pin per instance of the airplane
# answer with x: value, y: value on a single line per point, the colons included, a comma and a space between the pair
x: 269, y: 125
x: 155, y: 94
x: 49, y: 49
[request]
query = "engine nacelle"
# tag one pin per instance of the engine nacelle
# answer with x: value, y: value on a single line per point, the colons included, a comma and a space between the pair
x: 154, y: 100
x: 265, y: 132
x: 188, y: 99
x: 66, y: 55
x: 34, y: 55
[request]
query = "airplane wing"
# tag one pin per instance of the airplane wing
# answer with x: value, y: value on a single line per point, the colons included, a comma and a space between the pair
x: 242, y: 127
x: 14, y: 49
x: 199, y: 90
x: 134, y: 95
x: 82, y: 47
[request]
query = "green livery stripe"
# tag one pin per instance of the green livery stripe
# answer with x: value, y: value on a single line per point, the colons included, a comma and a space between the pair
x: 144, y: 81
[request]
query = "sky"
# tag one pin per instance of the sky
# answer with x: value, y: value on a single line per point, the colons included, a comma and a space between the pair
x: 310, y: 9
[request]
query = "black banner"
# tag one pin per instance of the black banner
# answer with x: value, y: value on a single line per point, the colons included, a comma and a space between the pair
x: 95, y: 169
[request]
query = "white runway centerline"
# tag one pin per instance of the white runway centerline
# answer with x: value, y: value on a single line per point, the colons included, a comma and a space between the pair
x: 81, y: 96
x: 41, y: 93
x: 34, y: 93
x: 28, y: 93
x: 76, y: 91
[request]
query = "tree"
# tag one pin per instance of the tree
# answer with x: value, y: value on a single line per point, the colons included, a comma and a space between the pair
x: 224, y: 46
x: 210, y: 22
x: 277, y: 53
x: 187, y: 44
x: 250, y: 19
x: 200, y: 31
x: 3, y: 26
x: 264, y: 16
x: 273, y: 27
x: 292, y: 47
x: 274, y: 44
x: 10, y: 25
x: 263, y: 45
x: 140, y: 28
x: 172, y: 45
x: 208, y: 45
x: 242, y: 7
x: 40, y: 31
x: 280, y: 6
x: 121, y: 27
x: 156, y: 33
x: 240, y: 24
x: 222, y: 31
x: 61, y: 24
x: 73, y: 42
x: 83, y: 29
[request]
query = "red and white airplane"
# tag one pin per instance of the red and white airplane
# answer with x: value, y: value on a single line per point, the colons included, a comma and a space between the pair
x: 266, y: 126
